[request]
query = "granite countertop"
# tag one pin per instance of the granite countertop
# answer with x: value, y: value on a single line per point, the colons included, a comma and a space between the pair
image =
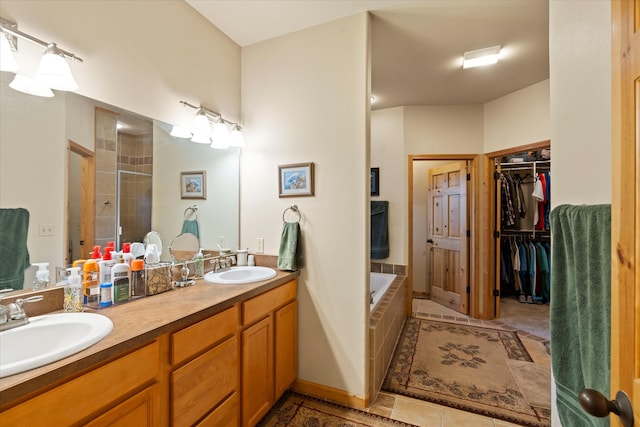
x: 137, y: 323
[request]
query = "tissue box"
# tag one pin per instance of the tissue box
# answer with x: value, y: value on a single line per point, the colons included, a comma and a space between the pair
x: 158, y: 278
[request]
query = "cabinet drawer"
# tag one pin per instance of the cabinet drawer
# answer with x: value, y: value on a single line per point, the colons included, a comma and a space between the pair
x: 193, y: 339
x: 69, y: 403
x: 261, y: 305
x: 226, y: 415
x: 204, y: 382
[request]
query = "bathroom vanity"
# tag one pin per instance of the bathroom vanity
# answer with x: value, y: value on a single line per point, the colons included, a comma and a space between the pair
x: 214, y: 355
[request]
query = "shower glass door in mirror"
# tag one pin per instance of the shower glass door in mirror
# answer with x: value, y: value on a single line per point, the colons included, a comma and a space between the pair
x: 134, y: 206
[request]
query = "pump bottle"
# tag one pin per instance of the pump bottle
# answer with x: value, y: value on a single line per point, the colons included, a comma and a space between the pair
x: 120, y: 277
x: 73, y: 292
x: 42, y: 276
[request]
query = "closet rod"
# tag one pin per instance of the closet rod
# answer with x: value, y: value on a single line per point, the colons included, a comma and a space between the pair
x: 525, y: 169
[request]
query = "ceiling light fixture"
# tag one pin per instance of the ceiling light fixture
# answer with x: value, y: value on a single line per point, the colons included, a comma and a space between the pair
x: 481, y: 57
x: 54, y: 70
x: 203, y: 133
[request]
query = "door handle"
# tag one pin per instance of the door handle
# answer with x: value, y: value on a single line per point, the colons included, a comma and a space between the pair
x: 429, y: 240
x: 596, y: 404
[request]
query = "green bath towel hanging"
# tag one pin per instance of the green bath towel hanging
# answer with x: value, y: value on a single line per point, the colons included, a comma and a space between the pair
x: 289, y: 256
x: 14, y: 256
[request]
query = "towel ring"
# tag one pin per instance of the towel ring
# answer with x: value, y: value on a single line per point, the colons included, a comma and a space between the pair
x: 293, y: 208
x: 191, y: 210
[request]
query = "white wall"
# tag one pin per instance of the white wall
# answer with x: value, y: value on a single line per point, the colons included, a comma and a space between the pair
x: 29, y: 170
x: 387, y: 153
x: 580, y: 64
x: 516, y: 119
x: 305, y: 99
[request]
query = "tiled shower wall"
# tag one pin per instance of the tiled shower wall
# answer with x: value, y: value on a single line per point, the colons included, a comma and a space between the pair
x: 135, y: 154
x: 106, y: 167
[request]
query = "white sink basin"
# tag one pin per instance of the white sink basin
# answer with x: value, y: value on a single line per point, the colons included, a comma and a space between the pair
x: 241, y: 275
x: 46, y: 339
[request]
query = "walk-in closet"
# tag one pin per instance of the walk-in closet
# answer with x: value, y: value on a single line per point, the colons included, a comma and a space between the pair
x: 522, y: 202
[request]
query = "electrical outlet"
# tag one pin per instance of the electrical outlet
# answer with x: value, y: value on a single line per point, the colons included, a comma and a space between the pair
x: 222, y: 241
x: 260, y: 243
x: 46, y: 229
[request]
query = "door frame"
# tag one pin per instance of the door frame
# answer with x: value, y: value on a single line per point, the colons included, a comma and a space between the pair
x: 495, y: 226
x: 473, y: 202
x: 87, y: 199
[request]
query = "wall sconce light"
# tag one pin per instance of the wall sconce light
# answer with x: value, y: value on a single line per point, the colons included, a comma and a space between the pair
x: 54, y: 71
x: 211, y: 128
x: 481, y: 57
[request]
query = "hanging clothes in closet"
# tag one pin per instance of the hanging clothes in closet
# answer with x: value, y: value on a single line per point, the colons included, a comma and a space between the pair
x: 525, y: 269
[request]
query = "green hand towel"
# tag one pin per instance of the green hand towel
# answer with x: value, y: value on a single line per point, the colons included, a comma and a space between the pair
x: 14, y: 256
x: 191, y: 226
x: 580, y: 307
x: 290, y: 248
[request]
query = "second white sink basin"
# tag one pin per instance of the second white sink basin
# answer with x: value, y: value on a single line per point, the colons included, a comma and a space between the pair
x: 48, y: 338
x: 241, y: 275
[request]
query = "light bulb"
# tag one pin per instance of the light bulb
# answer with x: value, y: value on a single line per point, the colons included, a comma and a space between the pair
x: 30, y: 86
x: 220, y: 138
x: 236, y: 139
x: 180, y: 132
x: 54, y: 70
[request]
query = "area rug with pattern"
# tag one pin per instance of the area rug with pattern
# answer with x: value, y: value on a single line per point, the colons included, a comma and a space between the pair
x: 475, y: 369
x: 294, y: 409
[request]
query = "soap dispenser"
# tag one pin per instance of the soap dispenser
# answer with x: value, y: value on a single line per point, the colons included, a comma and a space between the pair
x: 199, y: 264
x: 73, y: 296
x: 42, y: 276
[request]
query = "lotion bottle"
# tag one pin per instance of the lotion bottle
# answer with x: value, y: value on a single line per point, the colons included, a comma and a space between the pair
x: 199, y: 264
x: 120, y: 278
x: 73, y: 292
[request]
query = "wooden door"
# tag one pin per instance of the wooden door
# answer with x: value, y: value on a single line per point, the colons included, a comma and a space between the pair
x: 447, y: 235
x: 625, y: 219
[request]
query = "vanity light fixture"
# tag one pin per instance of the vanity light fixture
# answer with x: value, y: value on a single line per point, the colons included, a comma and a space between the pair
x: 30, y: 86
x: 217, y: 136
x: 481, y: 57
x: 236, y: 139
x: 54, y: 70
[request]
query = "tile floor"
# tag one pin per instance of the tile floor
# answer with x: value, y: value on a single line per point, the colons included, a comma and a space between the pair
x: 426, y: 414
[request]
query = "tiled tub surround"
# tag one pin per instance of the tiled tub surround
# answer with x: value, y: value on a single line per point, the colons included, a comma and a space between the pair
x: 384, y: 329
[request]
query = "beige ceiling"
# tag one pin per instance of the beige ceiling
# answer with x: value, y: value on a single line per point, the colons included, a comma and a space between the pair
x: 417, y: 46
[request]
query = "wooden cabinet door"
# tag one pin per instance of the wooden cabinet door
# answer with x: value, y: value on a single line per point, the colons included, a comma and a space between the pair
x: 257, y: 371
x: 139, y: 410
x: 286, y: 347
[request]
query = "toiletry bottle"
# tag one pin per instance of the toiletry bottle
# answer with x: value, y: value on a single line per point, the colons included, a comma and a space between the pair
x: 138, y: 286
x: 73, y: 297
x: 199, y: 264
x: 105, y: 294
x: 106, y: 264
x: 90, y: 283
x: 126, y: 253
x: 42, y: 276
x: 120, y: 278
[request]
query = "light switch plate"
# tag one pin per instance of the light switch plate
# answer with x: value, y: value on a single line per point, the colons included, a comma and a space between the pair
x: 46, y: 229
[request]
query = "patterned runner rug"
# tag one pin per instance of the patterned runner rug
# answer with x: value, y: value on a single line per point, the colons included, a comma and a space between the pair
x: 480, y: 370
x: 294, y: 409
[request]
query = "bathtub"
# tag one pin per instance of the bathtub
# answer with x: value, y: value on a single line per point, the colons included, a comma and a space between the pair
x: 379, y: 283
x: 385, y: 323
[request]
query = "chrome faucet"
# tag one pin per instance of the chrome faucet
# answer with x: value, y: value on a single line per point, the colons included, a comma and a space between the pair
x: 13, y: 315
x: 223, y: 263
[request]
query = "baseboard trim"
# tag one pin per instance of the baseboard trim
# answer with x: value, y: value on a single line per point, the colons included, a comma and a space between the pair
x: 329, y: 393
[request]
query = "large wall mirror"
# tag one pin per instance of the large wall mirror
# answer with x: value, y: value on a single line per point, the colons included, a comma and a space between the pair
x: 58, y: 155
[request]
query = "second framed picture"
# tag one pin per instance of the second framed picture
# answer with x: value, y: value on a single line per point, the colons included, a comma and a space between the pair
x: 295, y: 180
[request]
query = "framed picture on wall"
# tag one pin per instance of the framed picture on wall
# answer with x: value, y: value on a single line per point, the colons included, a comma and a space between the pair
x: 375, y: 181
x: 295, y: 180
x: 193, y: 185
